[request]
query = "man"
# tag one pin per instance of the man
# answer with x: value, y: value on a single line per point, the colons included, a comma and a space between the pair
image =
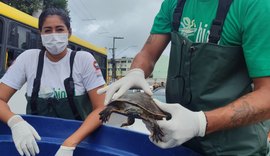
x: 218, y: 49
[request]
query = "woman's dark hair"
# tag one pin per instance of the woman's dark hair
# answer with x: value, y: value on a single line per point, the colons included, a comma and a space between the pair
x: 54, y: 11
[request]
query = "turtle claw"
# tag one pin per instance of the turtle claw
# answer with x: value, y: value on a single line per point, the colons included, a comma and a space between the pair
x: 156, y: 132
x: 105, y: 115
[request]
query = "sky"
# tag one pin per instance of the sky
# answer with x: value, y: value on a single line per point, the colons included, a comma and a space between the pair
x: 98, y: 21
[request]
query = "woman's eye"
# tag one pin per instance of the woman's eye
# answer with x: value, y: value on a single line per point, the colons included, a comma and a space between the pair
x: 47, y: 31
x: 60, y: 30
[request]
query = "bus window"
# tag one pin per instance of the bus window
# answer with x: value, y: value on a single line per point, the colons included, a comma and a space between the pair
x: 1, y: 54
x: 78, y: 49
x: 71, y: 46
x: 33, y: 40
x: 22, y: 38
x: 99, y: 59
x: 13, y: 38
x: 102, y: 62
x: 12, y: 55
x: 1, y: 32
x: 85, y: 49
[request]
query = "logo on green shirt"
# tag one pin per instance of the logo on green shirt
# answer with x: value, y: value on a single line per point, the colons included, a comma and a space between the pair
x: 59, y: 94
x: 189, y: 29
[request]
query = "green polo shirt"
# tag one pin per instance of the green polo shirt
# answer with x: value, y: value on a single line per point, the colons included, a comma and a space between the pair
x: 247, y: 25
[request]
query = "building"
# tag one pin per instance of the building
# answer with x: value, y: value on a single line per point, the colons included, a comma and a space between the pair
x: 160, y: 71
x: 123, y: 65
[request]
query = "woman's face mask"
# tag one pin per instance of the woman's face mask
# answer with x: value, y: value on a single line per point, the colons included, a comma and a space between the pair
x: 55, y: 43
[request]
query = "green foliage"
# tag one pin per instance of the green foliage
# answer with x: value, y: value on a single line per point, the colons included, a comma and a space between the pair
x: 27, y: 6
x: 55, y: 3
x: 30, y: 6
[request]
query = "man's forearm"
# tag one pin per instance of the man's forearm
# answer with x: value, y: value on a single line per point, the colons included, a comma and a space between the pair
x: 251, y: 108
x: 143, y: 61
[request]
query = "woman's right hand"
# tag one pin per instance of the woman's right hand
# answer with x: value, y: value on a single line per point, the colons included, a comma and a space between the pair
x: 24, y: 136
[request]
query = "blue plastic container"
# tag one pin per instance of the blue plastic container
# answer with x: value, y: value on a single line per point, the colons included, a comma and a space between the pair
x: 106, y: 141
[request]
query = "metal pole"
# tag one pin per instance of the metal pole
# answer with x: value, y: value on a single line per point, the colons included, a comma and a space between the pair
x: 113, y: 59
x: 113, y: 62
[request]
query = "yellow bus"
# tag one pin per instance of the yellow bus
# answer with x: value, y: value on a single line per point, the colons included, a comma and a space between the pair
x: 19, y: 31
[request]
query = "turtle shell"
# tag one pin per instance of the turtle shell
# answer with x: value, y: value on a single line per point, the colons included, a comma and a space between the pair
x: 143, y: 101
x: 137, y: 105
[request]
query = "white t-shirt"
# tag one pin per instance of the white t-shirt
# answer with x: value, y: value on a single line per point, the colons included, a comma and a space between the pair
x: 86, y: 73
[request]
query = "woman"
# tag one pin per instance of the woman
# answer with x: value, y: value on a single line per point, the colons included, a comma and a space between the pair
x: 59, y: 84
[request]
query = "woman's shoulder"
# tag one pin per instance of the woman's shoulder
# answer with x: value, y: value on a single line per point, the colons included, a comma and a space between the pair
x: 30, y: 53
x: 84, y: 55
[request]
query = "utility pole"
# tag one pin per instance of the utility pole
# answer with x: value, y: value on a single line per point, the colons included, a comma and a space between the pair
x: 113, y: 59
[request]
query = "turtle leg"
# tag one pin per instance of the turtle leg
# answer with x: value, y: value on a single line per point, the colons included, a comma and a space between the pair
x: 106, y: 113
x: 156, y: 132
x: 130, y: 121
x: 131, y: 115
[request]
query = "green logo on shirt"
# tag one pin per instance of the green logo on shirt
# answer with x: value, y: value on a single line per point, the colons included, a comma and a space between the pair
x: 189, y: 29
x: 59, y: 94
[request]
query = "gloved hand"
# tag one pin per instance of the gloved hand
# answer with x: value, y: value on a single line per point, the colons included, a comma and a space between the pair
x: 65, y: 151
x: 134, y: 78
x: 24, y: 136
x: 183, y: 126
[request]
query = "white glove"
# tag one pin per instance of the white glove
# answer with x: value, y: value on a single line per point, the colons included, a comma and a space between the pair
x: 24, y: 136
x: 65, y: 151
x: 134, y: 78
x: 183, y: 126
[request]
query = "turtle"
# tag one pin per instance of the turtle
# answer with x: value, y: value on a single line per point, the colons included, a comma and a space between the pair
x: 137, y: 105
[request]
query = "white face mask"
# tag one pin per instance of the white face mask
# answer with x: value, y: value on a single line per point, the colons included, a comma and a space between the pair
x: 55, y: 43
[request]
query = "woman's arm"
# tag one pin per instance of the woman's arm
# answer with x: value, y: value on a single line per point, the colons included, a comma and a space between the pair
x: 23, y: 134
x: 91, y: 122
x: 6, y: 93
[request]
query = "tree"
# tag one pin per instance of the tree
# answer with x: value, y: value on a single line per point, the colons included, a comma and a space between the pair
x: 56, y: 3
x: 27, y: 6
x: 32, y: 6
